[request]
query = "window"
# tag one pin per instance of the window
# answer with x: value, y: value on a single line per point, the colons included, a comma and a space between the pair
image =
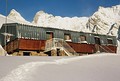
x: 67, y: 37
x: 82, y: 39
x: 8, y: 38
x: 110, y: 41
x: 97, y: 40
x: 49, y: 35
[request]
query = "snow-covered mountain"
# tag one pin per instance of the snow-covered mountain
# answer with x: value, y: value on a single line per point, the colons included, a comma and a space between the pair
x: 48, y: 20
x: 14, y: 15
x: 105, y: 20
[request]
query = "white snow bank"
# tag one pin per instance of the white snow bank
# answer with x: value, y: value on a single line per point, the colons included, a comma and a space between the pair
x: 100, y: 67
x: 118, y: 48
x: 2, y: 51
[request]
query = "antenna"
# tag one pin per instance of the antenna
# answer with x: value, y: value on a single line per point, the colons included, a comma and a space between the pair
x: 6, y: 24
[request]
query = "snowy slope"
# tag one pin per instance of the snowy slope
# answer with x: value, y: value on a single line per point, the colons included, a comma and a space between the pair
x: 101, y: 67
x: 118, y: 48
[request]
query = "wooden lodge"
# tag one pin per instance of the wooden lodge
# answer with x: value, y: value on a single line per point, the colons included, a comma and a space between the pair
x: 26, y: 40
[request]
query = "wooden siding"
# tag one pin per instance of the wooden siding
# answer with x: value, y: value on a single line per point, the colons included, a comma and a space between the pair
x: 27, y: 44
x: 39, y: 33
x: 106, y: 48
x: 13, y: 45
x: 39, y: 45
x: 82, y: 48
x: 26, y: 37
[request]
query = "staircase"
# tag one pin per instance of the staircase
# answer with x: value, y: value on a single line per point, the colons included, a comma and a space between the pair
x: 106, y: 49
x: 57, y: 43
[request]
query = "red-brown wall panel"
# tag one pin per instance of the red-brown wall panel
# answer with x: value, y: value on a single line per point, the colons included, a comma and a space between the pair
x: 35, y: 45
x: 82, y: 48
x: 27, y: 44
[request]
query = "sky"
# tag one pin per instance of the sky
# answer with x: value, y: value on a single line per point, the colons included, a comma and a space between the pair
x: 64, y: 8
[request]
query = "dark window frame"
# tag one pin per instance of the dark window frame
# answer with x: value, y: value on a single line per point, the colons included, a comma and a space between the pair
x: 82, y: 38
x: 67, y: 37
x: 109, y: 41
x: 97, y: 40
x: 49, y: 35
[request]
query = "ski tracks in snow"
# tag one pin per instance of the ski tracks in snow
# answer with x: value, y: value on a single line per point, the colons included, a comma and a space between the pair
x: 23, y: 72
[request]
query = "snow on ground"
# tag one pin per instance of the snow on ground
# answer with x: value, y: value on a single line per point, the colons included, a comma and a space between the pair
x: 2, y: 51
x: 100, y: 67
x: 118, y: 48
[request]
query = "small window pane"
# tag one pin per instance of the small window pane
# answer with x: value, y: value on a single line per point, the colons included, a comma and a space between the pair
x: 67, y: 37
x: 110, y: 41
x: 49, y: 35
x: 83, y: 38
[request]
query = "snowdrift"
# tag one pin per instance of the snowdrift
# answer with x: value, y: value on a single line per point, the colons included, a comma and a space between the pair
x: 2, y: 51
x: 100, y: 67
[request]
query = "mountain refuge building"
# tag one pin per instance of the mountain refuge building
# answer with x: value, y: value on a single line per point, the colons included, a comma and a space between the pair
x: 27, y: 40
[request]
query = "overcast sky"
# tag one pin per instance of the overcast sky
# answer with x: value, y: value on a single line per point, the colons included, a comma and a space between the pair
x: 70, y: 8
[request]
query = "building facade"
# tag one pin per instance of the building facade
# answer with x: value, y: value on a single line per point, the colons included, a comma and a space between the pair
x: 30, y: 39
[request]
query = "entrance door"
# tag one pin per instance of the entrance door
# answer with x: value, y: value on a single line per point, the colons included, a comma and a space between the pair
x: 97, y: 40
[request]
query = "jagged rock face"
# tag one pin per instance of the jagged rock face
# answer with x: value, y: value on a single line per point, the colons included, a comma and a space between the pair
x: 106, y: 19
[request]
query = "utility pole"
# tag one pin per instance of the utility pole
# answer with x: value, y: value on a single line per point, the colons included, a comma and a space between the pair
x: 6, y: 10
